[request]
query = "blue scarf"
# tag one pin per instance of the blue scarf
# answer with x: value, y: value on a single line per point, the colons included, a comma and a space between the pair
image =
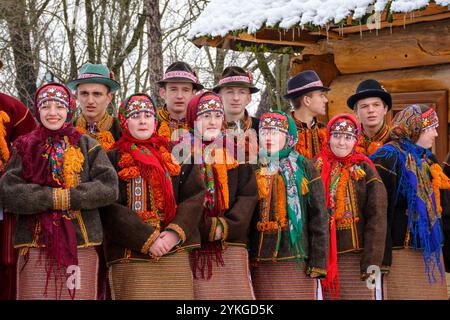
x: 415, y: 186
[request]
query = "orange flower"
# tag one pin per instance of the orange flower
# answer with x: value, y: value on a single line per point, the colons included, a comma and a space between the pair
x: 129, y: 173
x: 4, y: 150
x: 164, y: 130
x: 171, y: 163
x: 73, y: 164
x: 280, y: 198
x: 340, y: 193
x: 106, y: 139
x: 439, y: 181
x: 126, y: 160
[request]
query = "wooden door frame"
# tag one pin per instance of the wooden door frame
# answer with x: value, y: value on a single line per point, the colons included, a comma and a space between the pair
x: 439, y: 98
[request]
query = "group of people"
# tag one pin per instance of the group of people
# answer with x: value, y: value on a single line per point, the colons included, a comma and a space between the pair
x: 196, y: 199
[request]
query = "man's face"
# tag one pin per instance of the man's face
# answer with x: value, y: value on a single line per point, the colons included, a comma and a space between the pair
x: 371, y: 112
x: 94, y: 99
x: 177, y: 96
x: 316, y: 102
x: 235, y: 99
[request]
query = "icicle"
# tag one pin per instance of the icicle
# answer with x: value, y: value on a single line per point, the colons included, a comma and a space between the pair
x: 299, y: 31
x: 293, y: 35
x: 404, y: 21
x: 390, y: 27
x: 327, y: 27
x: 360, y: 29
x: 279, y: 33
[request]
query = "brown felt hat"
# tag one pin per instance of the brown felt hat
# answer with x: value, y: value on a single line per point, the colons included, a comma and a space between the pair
x: 180, y: 71
x: 236, y: 77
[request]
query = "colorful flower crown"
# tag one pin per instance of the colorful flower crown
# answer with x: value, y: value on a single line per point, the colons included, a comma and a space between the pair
x: 429, y: 119
x: 138, y: 103
x: 209, y: 103
x: 344, y: 126
x: 53, y: 93
x: 274, y: 121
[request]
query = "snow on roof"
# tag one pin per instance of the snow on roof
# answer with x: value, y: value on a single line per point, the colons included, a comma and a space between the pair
x: 223, y: 16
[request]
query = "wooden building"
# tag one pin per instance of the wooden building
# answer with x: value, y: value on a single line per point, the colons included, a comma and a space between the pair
x: 403, y: 44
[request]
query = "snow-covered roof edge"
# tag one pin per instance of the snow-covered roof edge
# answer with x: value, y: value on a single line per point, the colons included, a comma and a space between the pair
x: 221, y: 17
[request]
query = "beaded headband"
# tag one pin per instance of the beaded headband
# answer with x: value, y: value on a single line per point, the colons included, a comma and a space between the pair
x: 53, y: 93
x: 344, y: 126
x: 209, y: 103
x: 274, y: 121
x: 429, y: 119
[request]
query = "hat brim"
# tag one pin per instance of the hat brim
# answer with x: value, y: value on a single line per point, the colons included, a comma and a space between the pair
x: 297, y: 94
x: 383, y: 95
x: 252, y: 88
x: 197, y: 86
x: 112, y: 84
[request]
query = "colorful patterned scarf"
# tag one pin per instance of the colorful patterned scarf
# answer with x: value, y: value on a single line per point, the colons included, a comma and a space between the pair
x: 415, y: 186
x: 57, y: 238
x: 289, y: 163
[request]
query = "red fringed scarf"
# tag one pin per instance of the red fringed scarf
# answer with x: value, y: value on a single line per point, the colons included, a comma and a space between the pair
x: 329, y: 162
x: 151, y: 164
x: 58, y: 235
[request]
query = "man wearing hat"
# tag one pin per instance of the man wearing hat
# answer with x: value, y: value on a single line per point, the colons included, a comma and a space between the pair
x: 94, y: 89
x: 15, y: 120
x: 306, y: 93
x: 371, y: 102
x: 236, y: 88
x: 177, y: 88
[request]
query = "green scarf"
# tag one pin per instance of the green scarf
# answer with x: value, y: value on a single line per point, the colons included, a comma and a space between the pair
x: 289, y: 164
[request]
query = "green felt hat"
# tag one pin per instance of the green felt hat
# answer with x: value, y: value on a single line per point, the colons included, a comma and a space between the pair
x: 95, y: 73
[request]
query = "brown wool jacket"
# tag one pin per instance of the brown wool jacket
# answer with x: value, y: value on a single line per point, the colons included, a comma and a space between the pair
x: 128, y: 238
x: 98, y: 187
x: 315, y: 232
x: 368, y: 234
x: 243, y: 197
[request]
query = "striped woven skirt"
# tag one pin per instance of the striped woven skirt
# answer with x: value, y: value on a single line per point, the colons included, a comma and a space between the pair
x: 32, y: 277
x: 351, y: 287
x: 169, y: 278
x: 407, y: 279
x: 282, y: 280
x: 228, y: 282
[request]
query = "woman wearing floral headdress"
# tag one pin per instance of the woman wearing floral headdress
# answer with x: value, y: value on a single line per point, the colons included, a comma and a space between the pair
x: 48, y: 183
x: 289, y: 233
x: 412, y: 176
x: 356, y: 205
x: 154, y: 224
x: 220, y: 266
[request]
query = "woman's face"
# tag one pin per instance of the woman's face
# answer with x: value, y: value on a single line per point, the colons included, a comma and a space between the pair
x: 272, y: 140
x: 209, y: 125
x: 427, y: 137
x: 141, y: 125
x: 53, y: 115
x: 341, y: 144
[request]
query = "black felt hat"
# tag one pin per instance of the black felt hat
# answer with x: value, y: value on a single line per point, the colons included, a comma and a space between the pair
x: 367, y: 89
x: 304, y: 82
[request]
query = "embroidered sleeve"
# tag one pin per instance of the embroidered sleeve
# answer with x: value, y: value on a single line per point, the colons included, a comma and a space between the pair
x: 178, y: 230
x: 61, y: 199
x: 146, y: 247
